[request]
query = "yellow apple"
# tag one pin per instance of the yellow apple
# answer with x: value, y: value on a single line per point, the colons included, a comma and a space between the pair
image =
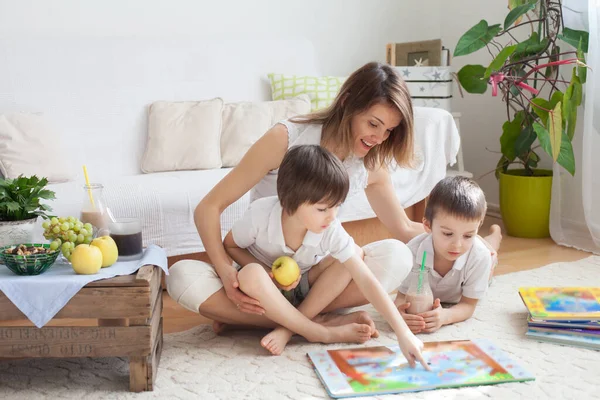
x: 86, y: 259
x: 109, y: 250
x: 285, y: 270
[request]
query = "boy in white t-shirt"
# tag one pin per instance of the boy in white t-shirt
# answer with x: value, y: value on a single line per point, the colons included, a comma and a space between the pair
x: 459, y: 262
x: 301, y: 223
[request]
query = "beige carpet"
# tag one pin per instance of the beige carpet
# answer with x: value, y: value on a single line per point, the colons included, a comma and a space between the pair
x: 197, y: 364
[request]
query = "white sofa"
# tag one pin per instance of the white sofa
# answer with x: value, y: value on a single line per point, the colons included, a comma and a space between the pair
x: 97, y: 91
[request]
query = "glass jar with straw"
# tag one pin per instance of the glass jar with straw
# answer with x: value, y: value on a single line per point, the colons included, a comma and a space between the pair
x: 419, y: 293
x: 93, y: 209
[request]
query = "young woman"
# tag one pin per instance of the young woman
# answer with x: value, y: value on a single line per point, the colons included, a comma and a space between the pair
x: 369, y: 124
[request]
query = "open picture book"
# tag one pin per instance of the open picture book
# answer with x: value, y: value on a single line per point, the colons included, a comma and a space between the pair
x: 368, y: 371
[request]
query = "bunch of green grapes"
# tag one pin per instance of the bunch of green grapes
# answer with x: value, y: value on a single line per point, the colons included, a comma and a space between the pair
x: 67, y: 233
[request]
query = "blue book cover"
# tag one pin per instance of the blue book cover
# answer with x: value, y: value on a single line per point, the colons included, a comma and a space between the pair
x: 587, y: 342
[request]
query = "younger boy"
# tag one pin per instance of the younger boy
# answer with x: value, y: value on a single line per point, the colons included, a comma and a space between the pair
x: 459, y: 263
x: 301, y: 223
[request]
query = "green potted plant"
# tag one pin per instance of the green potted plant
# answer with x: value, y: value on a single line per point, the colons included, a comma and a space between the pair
x: 541, y: 103
x: 20, y: 208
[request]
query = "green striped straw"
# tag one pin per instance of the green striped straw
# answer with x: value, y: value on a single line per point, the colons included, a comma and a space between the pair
x: 421, y: 272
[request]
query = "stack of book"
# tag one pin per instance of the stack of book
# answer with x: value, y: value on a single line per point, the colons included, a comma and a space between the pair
x: 567, y: 315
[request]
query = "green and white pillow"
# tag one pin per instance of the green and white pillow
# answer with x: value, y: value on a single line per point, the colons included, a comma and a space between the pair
x: 321, y: 90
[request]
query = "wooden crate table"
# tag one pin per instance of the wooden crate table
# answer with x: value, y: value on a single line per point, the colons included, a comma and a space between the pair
x: 128, y: 311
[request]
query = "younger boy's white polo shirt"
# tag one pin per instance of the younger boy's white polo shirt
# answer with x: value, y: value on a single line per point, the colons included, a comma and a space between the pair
x: 261, y: 233
x: 468, y: 277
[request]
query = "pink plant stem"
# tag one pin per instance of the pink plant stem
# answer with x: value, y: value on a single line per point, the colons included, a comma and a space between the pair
x: 550, y: 64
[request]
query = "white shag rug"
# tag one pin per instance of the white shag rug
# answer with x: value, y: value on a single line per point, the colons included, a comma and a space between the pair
x: 197, y: 364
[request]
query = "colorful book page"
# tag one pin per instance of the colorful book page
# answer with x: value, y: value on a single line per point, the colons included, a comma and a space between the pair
x: 568, y: 303
x: 370, y: 371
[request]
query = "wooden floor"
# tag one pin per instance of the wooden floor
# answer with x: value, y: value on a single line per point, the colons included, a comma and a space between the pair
x: 515, y: 255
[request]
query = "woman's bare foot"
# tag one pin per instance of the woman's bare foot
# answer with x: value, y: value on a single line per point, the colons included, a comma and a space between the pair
x: 276, y: 340
x: 359, y: 317
x: 349, y: 333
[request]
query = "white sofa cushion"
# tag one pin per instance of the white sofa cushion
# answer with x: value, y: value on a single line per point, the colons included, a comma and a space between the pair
x: 183, y: 135
x: 29, y: 145
x: 245, y: 122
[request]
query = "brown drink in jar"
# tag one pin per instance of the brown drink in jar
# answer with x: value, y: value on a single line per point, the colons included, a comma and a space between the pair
x: 127, y: 234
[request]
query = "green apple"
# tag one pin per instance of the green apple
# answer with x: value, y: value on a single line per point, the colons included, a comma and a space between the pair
x: 86, y: 259
x: 109, y: 250
x: 285, y: 270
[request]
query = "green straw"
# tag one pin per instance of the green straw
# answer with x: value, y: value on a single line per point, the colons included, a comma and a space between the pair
x: 421, y: 272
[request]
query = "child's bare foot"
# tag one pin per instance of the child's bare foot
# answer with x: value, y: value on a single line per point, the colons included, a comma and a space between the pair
x: 349, y: 333
x: 359, y: 317
x: 219, y: 327
x: 276, y: 340
x: 494, y: 238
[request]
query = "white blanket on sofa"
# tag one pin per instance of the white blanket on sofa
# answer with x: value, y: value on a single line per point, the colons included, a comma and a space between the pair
x: 166, y: 201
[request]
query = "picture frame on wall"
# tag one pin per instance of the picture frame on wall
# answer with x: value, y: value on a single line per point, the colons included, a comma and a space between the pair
x: 425, y: 53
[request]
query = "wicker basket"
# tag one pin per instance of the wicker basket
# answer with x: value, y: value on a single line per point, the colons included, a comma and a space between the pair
x: 28, y: 265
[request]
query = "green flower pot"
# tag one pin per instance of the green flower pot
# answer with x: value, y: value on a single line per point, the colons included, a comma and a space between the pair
x: 525, y: 203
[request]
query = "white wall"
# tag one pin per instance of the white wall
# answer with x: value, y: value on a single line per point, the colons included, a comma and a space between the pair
x: 346, y: 33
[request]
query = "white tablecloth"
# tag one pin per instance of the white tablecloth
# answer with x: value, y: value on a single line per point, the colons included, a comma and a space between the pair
x: 41, y: 297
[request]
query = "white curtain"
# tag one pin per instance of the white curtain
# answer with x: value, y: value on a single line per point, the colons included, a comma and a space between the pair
x: 575, y: 211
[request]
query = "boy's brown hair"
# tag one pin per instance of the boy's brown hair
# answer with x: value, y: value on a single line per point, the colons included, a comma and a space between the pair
x: 458, y: 196
x: 311, y: 174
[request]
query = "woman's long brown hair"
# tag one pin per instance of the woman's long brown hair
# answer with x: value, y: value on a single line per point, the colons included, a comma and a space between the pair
x: 372, y: 84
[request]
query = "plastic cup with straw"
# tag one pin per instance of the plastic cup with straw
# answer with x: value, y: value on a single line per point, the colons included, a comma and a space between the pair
x: 421, y: 273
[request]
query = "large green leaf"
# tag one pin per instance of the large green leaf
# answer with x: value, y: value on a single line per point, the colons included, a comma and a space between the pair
x: 571, y: 123
x: 581, y: 71
x: 577, y: 39
x: 542, y: 110
x: 510, y: 133
x: 499, y: 61
x: 546, y: 141
x: 530, y: 46
x: 554, y: 56
x: 476, y: 38
x: 532, y: 160
x: 557, y: 96
x: 555, y: 130
x: 572, y: 100
x: 567, y: 156
x: 471, y: 78
x: 516, y: 13
x: 524, y: 141
x: 577, y: 88
x: 515, y: 3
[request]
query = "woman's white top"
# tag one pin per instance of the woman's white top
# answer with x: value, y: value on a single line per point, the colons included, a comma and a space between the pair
x: 300, y: 134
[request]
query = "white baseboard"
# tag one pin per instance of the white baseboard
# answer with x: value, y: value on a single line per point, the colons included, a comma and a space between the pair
x: 493, y: 210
